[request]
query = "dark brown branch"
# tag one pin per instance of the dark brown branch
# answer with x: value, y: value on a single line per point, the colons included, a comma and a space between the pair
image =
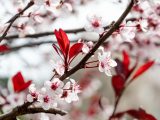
x: 19, y: 110
x: 41, y: 110
x: 25, y: 109
x: 13, y: 19
x: 37, y: 35
x: 43, y: 34
x: 115, y: 26
x: 15, y: 112
x: 15, y: 48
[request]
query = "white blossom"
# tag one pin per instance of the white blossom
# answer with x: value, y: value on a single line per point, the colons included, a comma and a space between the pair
x: 71, y: 89
x: 127, y: 32
x: 87, y: 47
x: 94, y: 24
x: 46, y: 100
x: 55, y: 85
x: 33, y: 93
x: 106, y: 63
x: 59, y: 67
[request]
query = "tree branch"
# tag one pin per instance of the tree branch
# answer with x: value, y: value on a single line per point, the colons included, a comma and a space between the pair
x: 25, y: 109
x: 37, y: 35
x: 41, y: 110
x: 15, y: 48
x: 21, y: 109
x: 43, y: 34
x: 13, y: 19
x: 99, y: 42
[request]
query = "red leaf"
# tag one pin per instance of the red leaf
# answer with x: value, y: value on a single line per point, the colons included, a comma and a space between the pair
x: 57, y: 49
x: 4, y: 48
x: 126, y: 60
x: 118, y: 84
x: 63, y: 41
x: 18, y: 82
x: 75, y: 50
x: 140, y: 114
x: 142, y: 69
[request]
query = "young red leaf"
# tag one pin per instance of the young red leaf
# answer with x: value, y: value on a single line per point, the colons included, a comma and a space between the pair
x: 140, y: 114
x: 75, y: 50
x: 118, y: 84
x: 63, y: 41
x: 142, y: 69
x: 4, y: 48
x: 126, y: 60
x: 57, y: 50
x: 18, y: 82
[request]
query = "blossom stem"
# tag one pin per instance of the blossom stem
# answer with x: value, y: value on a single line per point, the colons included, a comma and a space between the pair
x: 92, y: 62
x: 13, y: 19
x: 91, y: 66
x: 113, y: 28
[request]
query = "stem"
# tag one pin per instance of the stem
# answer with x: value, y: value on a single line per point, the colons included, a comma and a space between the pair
x: 92, y: 62
x: 37, y: 35
x: 20, y: 110
x: 13, y: 19
x: 118, y: 100
x: 116, y: 104
x: 91, y: 66
x: 115, y: 26
x: 25, y: 109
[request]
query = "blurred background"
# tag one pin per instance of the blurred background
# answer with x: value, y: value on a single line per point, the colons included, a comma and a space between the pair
x: 36, y: 62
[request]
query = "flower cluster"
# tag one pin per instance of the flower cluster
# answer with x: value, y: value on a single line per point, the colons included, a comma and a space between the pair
x: 52, y: 92
x: 106, y: 63
x: 95, y: 24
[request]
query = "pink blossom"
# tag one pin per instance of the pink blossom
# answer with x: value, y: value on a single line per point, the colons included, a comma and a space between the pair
x: 59, y: 67
x: 127, y: 31
x: 105, y: 63
x: 87, y: 47
x: 94, y: 24
x: 14, y: 100
x: 33, y: 93
x: 142, y: 25
x: 71, y: 89
x: 46, y: 100
x: 55, y: 85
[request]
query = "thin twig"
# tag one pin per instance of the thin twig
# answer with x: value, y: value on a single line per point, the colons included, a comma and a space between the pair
x: 13, y: 19
x: 18, y: 110
x: 115, y: 26
x: 43, y: 34
x: 25, y: 109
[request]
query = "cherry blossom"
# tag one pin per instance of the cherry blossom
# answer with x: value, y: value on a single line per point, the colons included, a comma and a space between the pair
x: 87, y: 47
x: 105, y: 62
x: 13, y: 100
x: 33, y: 93
x: 24, y: 29
x: 46, y: 100
x: 142, y: 25
x: 55, y: 85
x: 94, y: 24
x: 59, y: 67
x: 71, y: 89
x: 127, y: 32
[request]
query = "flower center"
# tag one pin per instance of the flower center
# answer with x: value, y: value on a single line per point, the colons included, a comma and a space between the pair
x: 65, y: 94
x: 95, y: 24
x: 54, y: 86
x: 102, y: 65
x: 46, y: 99
x: 33, y: 94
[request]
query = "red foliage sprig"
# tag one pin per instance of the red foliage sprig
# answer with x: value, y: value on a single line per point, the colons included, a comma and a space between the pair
x: 19, y: 83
